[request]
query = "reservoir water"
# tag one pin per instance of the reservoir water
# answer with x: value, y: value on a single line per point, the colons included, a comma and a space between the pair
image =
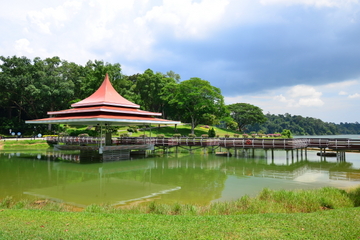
x: 174, y: 177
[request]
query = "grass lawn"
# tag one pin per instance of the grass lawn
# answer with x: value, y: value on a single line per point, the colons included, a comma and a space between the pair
x: 184, y: 130
x: 275, y: 215
x: 39, y: 224
x: 23, y: 144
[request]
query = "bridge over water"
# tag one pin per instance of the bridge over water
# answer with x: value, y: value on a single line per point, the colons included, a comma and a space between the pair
x: 122, y: 147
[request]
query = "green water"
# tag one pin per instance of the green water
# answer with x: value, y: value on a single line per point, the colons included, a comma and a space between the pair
x: 185, y: 178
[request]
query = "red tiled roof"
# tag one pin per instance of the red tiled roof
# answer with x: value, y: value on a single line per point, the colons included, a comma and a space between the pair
x: 105, y: 95
x: 110, y: 109
x: 110, y: 119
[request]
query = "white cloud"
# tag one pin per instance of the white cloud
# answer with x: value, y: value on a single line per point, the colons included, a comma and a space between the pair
x: 310, y: 102
x: 356, y: 95
x: 281, y: 98
x: 342, y: 84
x: 303, y: 91
x: 316, y: 3
x: 187, y: 18
x: 22, y: 47
x: 343, y: 93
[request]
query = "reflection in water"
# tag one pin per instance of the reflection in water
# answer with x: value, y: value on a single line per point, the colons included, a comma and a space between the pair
x: 184, y: 178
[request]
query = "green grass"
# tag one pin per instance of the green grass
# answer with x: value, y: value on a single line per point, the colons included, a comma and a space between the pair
x: 326, y: 213
x: 184, y: 130
x: 36, y: 224
x: 23, y: 144
x: 267, y: 201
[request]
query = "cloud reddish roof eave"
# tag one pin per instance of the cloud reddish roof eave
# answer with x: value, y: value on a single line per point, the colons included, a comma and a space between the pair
x: 109, y: 109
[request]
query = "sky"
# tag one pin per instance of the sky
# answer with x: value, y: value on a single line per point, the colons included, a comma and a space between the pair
x: 300, y: 57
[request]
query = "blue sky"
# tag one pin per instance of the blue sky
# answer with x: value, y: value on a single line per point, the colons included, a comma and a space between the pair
x: 286, y: 56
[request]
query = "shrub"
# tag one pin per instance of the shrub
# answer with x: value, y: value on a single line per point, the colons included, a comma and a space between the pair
x: 124, y: 135
x: 286, y: 133
x: 211, y: 132
x: 83, y: 135
x: 227, y: 135
x: 160, y: 136
x: 143, y: 135
x: 204, y: 135
x: 245, y: 135
x: 236, y: 135
x: 132, y: 129
x: 191, y: 135
x: 177, y: 135
x: 77, y: 132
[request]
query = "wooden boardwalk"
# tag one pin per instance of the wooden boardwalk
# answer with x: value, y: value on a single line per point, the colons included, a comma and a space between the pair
x: 246, y: 143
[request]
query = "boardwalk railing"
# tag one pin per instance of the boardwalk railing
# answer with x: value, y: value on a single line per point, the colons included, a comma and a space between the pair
x: 293, y: 143
x: 203, y: 142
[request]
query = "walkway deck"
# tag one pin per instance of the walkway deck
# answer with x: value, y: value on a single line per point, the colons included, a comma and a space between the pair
x: 246, y: 143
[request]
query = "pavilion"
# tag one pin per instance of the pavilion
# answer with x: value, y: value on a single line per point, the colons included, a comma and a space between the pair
x: 104, y: 108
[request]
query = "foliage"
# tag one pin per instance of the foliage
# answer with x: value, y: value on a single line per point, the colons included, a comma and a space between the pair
x: 212, y: 132
x: 267, y: 201
x: 133, y: 129
x: 195, y: 99
x: 299, y: 125
x: 77, y: 132
x: 245, y: 114
x: 286, y: 133
x: 153, y: 90
x: 230, y: 123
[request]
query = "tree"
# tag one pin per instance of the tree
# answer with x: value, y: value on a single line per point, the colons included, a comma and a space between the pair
x: 195, y: 99
x: 93, y: 76
x: 150, y: 87
x: 246, y: 114
x: 173, y: 75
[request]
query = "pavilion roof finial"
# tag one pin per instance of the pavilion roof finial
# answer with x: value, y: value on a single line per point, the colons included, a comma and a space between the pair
x: 106, y: 95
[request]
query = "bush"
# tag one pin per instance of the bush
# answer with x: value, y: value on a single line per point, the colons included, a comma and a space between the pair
x: 132, y: 129
x: 83, y: 135
x: 177, y: 135
x: 204, y: 135
x: 286, y: 133
x: 160, y: 136
x: 77, y: 132
x: 236, y: 135
x: 191, y: 135
x: 212, y: 132
x: 227, y: 135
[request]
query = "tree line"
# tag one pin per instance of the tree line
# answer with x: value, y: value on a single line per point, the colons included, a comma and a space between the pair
x: 299, y: 125
x: 32, y: 87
